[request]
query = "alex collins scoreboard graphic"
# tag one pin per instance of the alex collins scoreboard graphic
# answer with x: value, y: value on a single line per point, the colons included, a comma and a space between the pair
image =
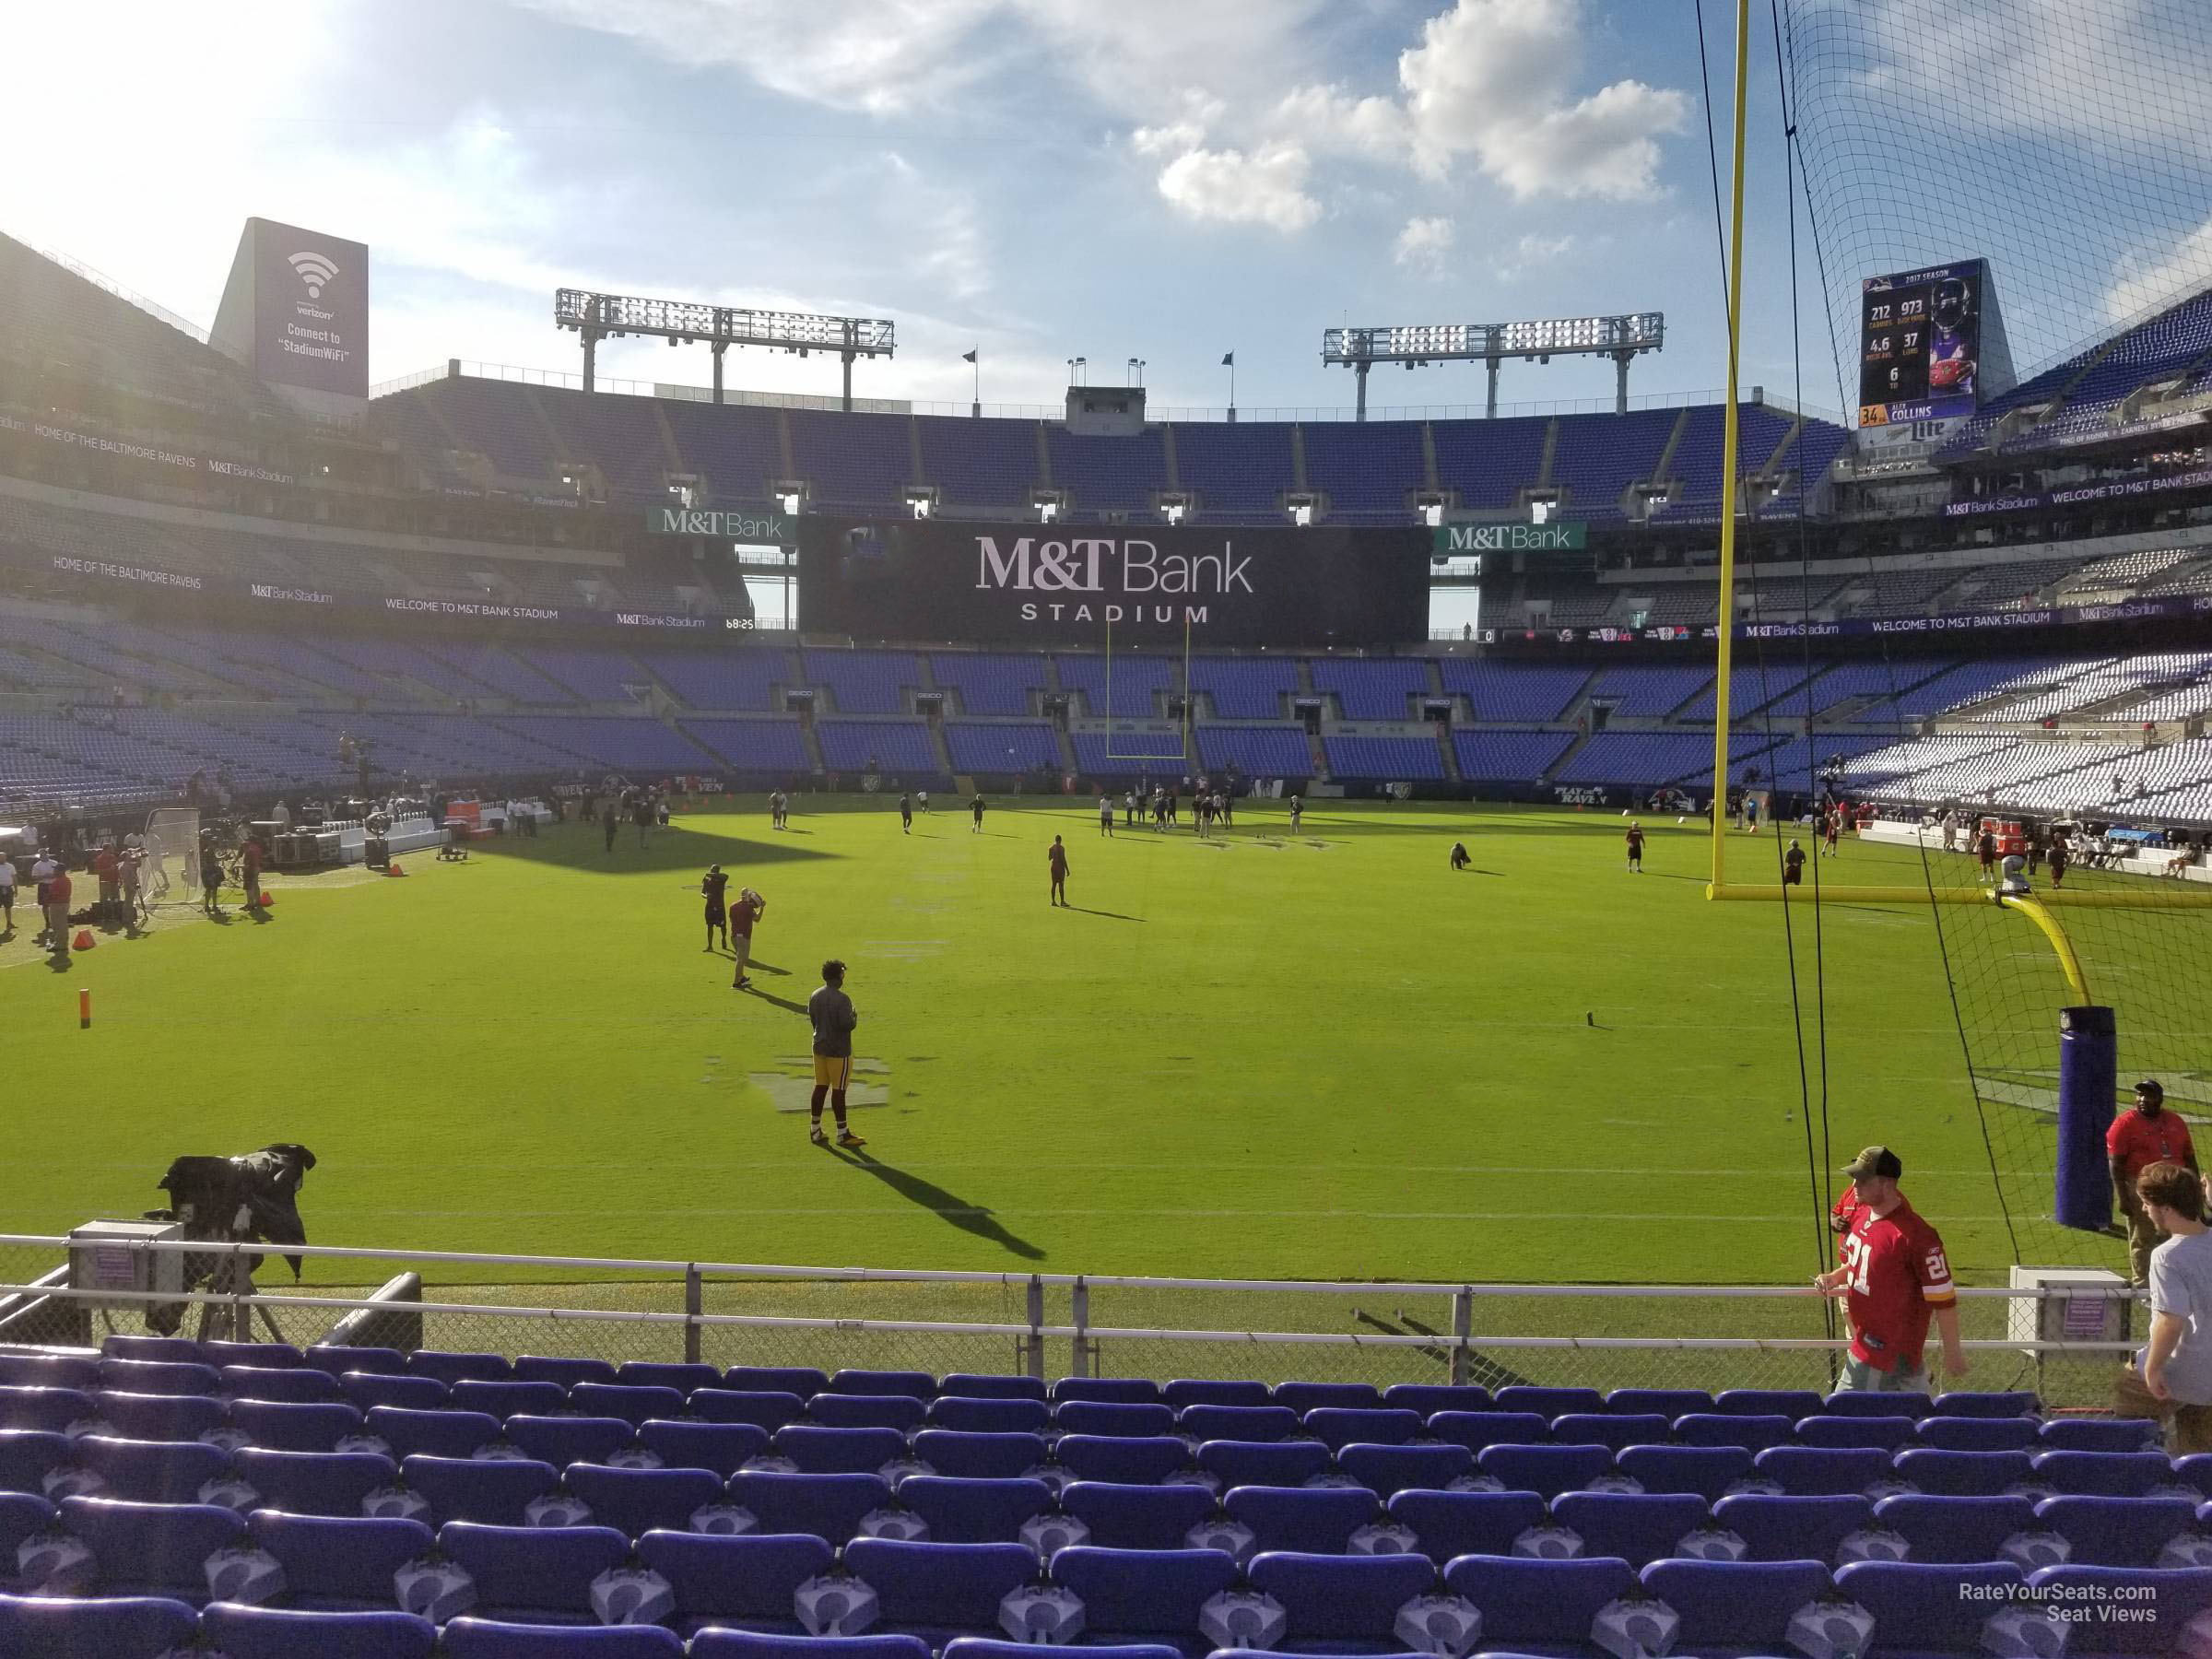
x: 1931, y: 343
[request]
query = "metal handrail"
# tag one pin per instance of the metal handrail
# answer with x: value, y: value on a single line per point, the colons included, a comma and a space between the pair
x: 1091, y: 1333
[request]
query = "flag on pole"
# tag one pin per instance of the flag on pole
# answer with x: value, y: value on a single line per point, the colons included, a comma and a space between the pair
x: 969, y: 357
x: 1228, y: 360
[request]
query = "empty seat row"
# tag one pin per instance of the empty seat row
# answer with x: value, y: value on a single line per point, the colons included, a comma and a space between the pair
x: 160, y: 1413
x: 45, y: 1461
x: 806, y: 1381
x: 1186, y: 1600
x: 1478, y: 1516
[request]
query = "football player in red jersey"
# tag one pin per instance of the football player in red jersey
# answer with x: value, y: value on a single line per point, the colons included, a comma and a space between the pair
x: 1893, y: 1280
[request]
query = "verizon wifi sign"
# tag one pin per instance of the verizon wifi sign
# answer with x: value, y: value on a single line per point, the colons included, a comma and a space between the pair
x: 1044, y: 584
x: 295, y: 311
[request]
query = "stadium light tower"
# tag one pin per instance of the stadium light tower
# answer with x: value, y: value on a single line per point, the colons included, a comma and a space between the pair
x: 1621, y: 338
x: 680, y: 323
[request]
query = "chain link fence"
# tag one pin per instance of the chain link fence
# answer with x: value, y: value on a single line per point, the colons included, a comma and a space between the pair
x: 1044, y: 1325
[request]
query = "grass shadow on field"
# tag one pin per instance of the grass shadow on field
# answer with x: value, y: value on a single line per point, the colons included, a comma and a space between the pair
x: 969, y: 1217
x: 1116, y: 915
x: 770, y: 996
x: 578, y: 847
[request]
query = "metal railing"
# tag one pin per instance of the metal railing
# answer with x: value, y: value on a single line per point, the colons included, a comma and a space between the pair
x: 1051, y: 1325
x: 184, y: 325
x: 1174, y: 413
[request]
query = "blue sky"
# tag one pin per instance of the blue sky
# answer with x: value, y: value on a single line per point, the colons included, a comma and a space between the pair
x: 1161, y: 179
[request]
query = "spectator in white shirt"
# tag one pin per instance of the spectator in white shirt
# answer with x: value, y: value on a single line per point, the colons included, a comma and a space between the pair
x: 41, y: 872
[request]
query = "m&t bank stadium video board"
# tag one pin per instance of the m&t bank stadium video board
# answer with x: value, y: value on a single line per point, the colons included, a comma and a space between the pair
x: 1931, y: 343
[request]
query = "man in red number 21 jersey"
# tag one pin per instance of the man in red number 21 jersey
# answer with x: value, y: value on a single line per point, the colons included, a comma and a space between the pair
x: 1893, y: 1278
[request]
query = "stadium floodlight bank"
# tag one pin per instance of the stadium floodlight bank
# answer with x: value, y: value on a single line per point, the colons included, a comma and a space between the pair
x: 1622, y: 339
x: 684, y: 322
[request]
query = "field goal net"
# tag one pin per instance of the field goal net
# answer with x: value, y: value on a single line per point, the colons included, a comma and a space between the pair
x: 172, y: 849
x: 2066, y: 164
x: 1147, y: 750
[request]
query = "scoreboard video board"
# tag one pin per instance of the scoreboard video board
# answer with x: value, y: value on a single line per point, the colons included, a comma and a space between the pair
x: 1931, y: 346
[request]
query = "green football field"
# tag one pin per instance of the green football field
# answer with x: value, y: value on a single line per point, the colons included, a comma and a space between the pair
x: 1324, y: 1055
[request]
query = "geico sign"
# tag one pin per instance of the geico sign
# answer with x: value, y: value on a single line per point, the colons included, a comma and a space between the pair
x: 1099, y: 564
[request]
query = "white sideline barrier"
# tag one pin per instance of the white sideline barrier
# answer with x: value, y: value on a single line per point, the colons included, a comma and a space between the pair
x: 1907, y: 835
x: 1930, y: 838
x: 408, y: 835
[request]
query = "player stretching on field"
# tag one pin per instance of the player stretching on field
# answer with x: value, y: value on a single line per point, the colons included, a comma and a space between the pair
x: 831, y: 1011
x: 1055, y: 858
x: 748, y: 909
x: 1636, y: 846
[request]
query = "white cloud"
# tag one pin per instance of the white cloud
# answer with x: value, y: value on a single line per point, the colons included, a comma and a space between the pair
x: 889, y: 57
x: 1330, y: 119
x: 1492, y: 80
x: 1141, y: 55
x: 1267, y: 186
x: 2148, y: 281
x: 2117, y: 75
x: 1174, y: 139
x: 944, y: 223
x: 1531, y: 253
x: 881, y: 57
x: 1423, y: 244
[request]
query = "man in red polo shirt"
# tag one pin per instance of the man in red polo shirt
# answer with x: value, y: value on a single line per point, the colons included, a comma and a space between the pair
x: 2146, y: 1135
x: 1893, y: 1278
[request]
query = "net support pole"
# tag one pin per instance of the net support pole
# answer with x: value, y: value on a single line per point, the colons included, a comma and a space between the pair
x: 2088, y: 1058
x: 1730, y: 442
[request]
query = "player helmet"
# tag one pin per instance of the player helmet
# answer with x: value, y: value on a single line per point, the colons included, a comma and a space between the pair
x: 1949, y: 307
